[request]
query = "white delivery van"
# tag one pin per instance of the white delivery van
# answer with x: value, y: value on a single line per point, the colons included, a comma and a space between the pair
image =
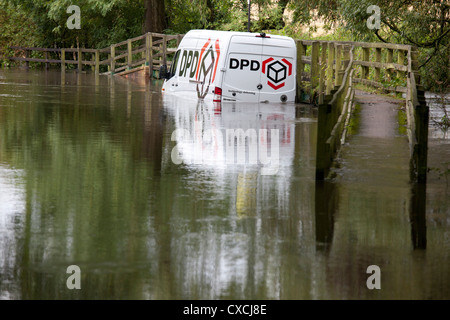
x: 233, y: 66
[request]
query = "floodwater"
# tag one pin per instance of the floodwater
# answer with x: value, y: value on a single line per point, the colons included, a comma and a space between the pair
x: 149, y: 197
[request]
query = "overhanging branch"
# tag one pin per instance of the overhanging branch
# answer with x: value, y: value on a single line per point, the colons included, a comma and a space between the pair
x: 429, y: 44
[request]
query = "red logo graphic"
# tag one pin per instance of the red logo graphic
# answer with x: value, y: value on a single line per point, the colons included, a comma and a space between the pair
x: 276, y: 71
x: 207, y: 67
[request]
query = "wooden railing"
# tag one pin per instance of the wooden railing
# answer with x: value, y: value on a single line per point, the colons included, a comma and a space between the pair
x: 417, y: 113
x: 319, y: 77
x: 332, y: 88
x: 378, y: 66
x: 385, y: 70
x: 334, y: 113
x: 151, y: 49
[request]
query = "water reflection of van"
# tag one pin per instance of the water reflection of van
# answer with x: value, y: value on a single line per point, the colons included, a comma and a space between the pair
x: 234, y: 66
x: 232, y: 136
x: 206, y: 134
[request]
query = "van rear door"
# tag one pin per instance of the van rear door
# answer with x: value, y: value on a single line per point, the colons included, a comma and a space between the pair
x: 242, y: 76
x: 278, y: 70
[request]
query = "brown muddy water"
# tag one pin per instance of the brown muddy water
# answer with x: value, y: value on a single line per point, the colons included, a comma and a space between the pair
x: 140, y: 191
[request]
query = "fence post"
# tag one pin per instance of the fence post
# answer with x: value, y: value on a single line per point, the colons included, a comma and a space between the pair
x: 338, y: 77
x: 314, y: 66
x: 366, y: 57
x: 46, y: 58
x: 93, y: 60
x: 415, y: 64
x: 164, y: 48
x: 97, y: 61
x: 113, y: 59
x: 421, y: 115
x: 130, y: 54
x: 80, y: 62
x: 401, y: 61
x: 323, y: 65
x: 27, y: 55
x: 148, y: 47
x: 389, y: 59
x: 150, y: 52
x: 63, y: 59
x: 378, y: 59
x: 300, y: 68
x: 346, y: 56
x: 330, y: 69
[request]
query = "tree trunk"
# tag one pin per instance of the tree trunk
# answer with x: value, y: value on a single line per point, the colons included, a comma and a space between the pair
x: 155, y: 16
x: 211, y: 14
x: 282, y: 5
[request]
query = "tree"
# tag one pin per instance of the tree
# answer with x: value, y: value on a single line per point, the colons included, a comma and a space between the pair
x: 422, y: 23
x: 21, y: 32
x: 270, y: 15
x: 102, y: 21
x: 155, y: 16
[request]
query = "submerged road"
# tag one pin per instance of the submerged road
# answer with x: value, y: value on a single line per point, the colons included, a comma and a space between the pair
x: 376, y: 152
x: 371, y: 203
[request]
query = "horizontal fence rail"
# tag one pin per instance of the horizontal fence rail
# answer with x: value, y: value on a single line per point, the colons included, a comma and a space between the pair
x: 151, y: 50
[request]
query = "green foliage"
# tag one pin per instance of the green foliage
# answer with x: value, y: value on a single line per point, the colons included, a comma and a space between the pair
x: 435, y: 73
x: 102, y: 22
x: 354, y: 123
x: 270, y: 16
x: 22, y: 31
x: 402, y: 120
x: 184, y: 15
x: 422, y: 23
x: 444, y: 122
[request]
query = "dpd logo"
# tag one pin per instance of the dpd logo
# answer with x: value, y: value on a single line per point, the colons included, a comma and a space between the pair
x: 201, y: 66
x: 276, y: 71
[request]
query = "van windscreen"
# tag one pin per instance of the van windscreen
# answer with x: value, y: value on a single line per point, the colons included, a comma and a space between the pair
x: 173, y: 66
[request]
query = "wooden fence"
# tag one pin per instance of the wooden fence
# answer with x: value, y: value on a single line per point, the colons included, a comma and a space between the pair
x: 333, y: 70
x: 334, y: 113
x: 151, y: 49
x: 417, y: 113
x: 378, y: 68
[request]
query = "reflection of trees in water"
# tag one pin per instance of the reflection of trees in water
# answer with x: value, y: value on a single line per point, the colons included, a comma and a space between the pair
x: 439, y: 105
x: 402, y: 230
x: 87, y: 192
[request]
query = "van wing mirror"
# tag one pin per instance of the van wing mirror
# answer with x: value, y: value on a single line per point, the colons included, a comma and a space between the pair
x: 163, y: 72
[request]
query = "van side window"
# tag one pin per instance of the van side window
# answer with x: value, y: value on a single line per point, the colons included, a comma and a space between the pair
x: 173, y: 67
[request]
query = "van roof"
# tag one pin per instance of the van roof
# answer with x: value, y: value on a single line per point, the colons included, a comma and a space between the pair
x: 226, y: 35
